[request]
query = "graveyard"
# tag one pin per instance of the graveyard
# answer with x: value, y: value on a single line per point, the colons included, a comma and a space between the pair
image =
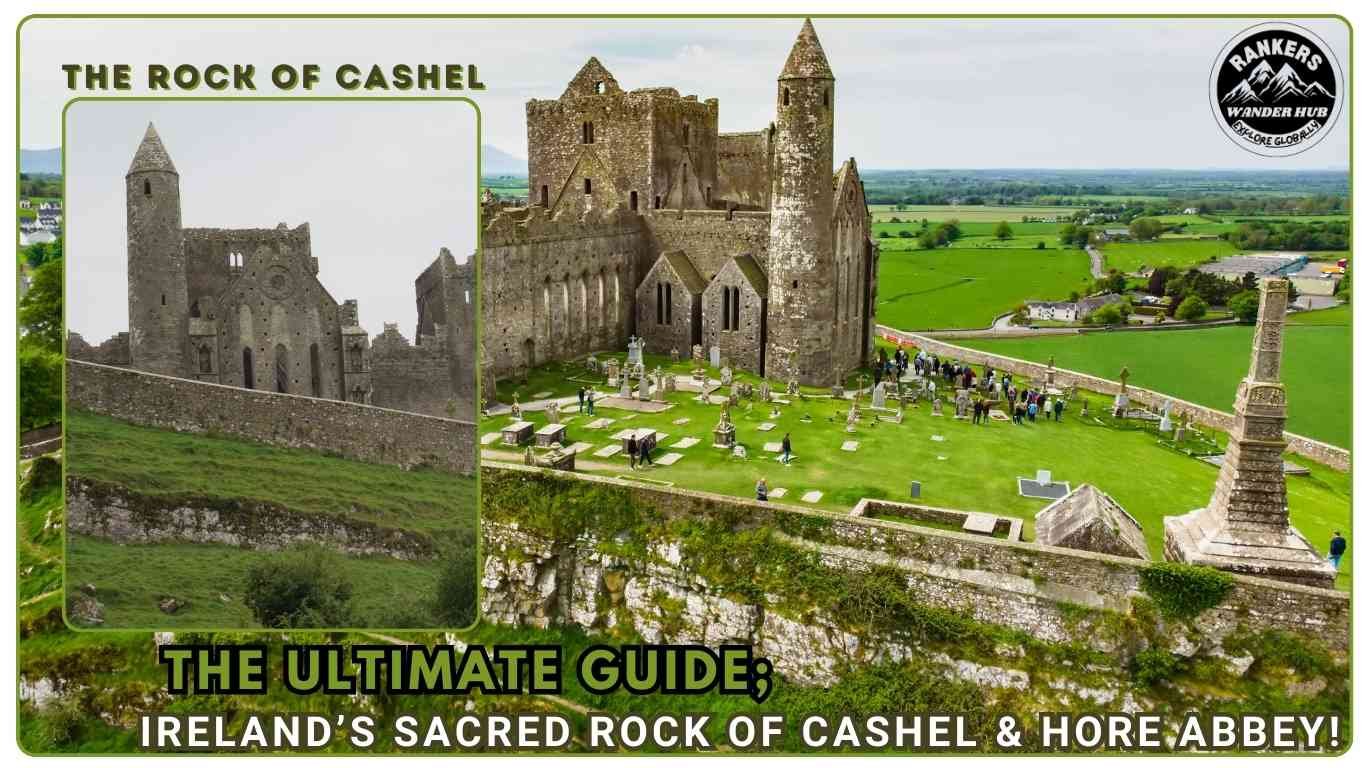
x: 837, y: 462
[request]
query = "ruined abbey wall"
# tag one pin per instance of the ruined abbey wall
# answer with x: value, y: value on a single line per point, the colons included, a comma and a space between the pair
x: 351, y: 430
x: 213, y: 257
x: 744, y: 164
x: 710, y: 238
x: 555, y: 288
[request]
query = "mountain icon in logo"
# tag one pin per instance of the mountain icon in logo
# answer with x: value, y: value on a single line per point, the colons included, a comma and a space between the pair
x: 1263, y: 85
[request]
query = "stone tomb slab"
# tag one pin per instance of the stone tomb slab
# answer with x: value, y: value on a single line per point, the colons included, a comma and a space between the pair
x: 773, y: 447
x: 550, y: 433
x: 812, y: 497
x: 686, y: 442
x: 849, y: 445
x: 1031, y: 488
x: 631, y: 404
x: 490, y: 437
x: 777, y: 493
x: 607, y: 451
x: 979, y: 522
x: 517, y: 432
x: 602, y: 423
x: 622, y: 434
x: 681, y: 422
x: 767, y: 426
x: 669, y: 459
x: 579, y: 447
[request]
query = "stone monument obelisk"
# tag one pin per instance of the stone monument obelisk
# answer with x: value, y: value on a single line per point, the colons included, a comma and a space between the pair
x: 1246, y: 528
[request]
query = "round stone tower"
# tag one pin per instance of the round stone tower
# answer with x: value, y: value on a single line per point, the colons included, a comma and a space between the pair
x: 158, y: 300
x: 801, y: 269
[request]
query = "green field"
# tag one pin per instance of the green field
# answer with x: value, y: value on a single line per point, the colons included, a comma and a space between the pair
x: 1205, y: 365
x: 1176, y: 252
x: 969, y: 287
x: 168, y: 465
x: 967, y: 213
x: 974, y: 467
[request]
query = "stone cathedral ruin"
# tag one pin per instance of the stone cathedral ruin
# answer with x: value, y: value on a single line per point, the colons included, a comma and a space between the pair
x: 645, y: 219
x: 244, y: 307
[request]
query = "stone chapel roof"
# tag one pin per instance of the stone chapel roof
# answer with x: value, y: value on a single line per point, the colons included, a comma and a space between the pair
x: 151, y: 154
x: 752, y: 273
x: 807, y: 59
x: 682, y: 266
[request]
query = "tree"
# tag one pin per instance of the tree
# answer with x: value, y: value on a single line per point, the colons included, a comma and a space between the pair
x: 1040, y: 246
x: 1113, y: 282
x: 1003, y: 231
x: 38, y: 254
x: 1157, y: 281
x: 1249, y: 281
x: 300, y: 588
x: 1344, y: 289
x: 40, y: 311
x: 1244, y: 305
x: 1145, y: 229
x: 1192, y: 308
x: 1110, y: 314
x: 40, y: 386
x: 457, y: 589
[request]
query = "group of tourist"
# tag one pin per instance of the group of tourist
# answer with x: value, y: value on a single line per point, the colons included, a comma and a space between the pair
x: 639, y: 451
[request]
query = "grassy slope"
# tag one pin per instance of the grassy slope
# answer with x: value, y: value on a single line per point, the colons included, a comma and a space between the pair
x: 966, y: 288
x: 978, y: 471
x: 1205, y: 366
x: 132, y: 578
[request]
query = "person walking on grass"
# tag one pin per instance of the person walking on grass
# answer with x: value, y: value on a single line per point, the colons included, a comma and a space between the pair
x: 645, y: 454
x: 632, y: 449
x: 787, y: 448
x: 581, y: 399
x: 589, y: 395
x: 1057, y: 409
x: 761, y: 490
x: 1336, y: 549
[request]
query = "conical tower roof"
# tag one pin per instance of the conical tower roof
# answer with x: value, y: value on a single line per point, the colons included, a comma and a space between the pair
x: 151, y: 154
x: 807, y: 59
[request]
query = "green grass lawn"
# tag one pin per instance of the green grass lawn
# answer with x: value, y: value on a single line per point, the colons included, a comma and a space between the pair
x: 131, y: 578
x: 977, y: 471
x: 968, y: 287
x: 1176, y: 252
x: 1205, y: 365
x: 210, y: 579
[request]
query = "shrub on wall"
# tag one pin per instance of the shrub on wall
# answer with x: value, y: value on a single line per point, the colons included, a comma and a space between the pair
x: 1182, y: 591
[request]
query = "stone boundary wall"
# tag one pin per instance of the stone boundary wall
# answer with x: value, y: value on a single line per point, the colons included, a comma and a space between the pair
x: 350, y: 430
x: 108, y: 511
x: 1025, y: 585
x: 1324, y: 453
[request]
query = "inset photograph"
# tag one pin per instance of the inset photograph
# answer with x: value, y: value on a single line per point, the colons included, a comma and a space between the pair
x: 270, y: 383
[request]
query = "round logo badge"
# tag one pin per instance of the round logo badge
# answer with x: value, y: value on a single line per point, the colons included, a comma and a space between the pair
x: 1276, y: 89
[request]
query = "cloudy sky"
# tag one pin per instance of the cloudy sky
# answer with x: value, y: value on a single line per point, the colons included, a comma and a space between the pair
x: 911, y: 93
x: 383, y: 185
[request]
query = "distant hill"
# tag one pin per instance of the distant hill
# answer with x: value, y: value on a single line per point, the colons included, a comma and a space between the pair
x: 499, y: 163
x: 40, y: 160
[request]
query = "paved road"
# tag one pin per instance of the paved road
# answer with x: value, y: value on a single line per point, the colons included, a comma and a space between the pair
x: 1097, y: 261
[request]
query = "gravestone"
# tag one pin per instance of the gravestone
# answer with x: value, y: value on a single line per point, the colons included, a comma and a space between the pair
x: 723, y: 435
x: 673, y: 354
x: 697, y: 354
x: 552, y: 411
x: 739, y: 452
x: 793, y: 387
x: 643, y: 389
x: 715, y: 357
x: 550, y: 434
x: 517, y: 432
x: 937, y: 407
x: 625, y: 387
x: 880, y: 395
x: 516, y: 407
x: 591, y: 364
x: 851, y: 417
x: 613, y: 371
x: 635, y: 351
x: 765, y: 393
x: 727, y: 376
x: 961, y: 403
x: 915, y: 489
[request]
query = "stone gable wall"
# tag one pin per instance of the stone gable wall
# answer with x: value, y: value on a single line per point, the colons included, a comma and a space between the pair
x: 350, y: 430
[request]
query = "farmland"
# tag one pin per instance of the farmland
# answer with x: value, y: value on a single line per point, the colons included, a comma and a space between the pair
x: 968, y: 287
x: 969, y: 213
x: 1179, y: 253
x: 1205, y: 366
